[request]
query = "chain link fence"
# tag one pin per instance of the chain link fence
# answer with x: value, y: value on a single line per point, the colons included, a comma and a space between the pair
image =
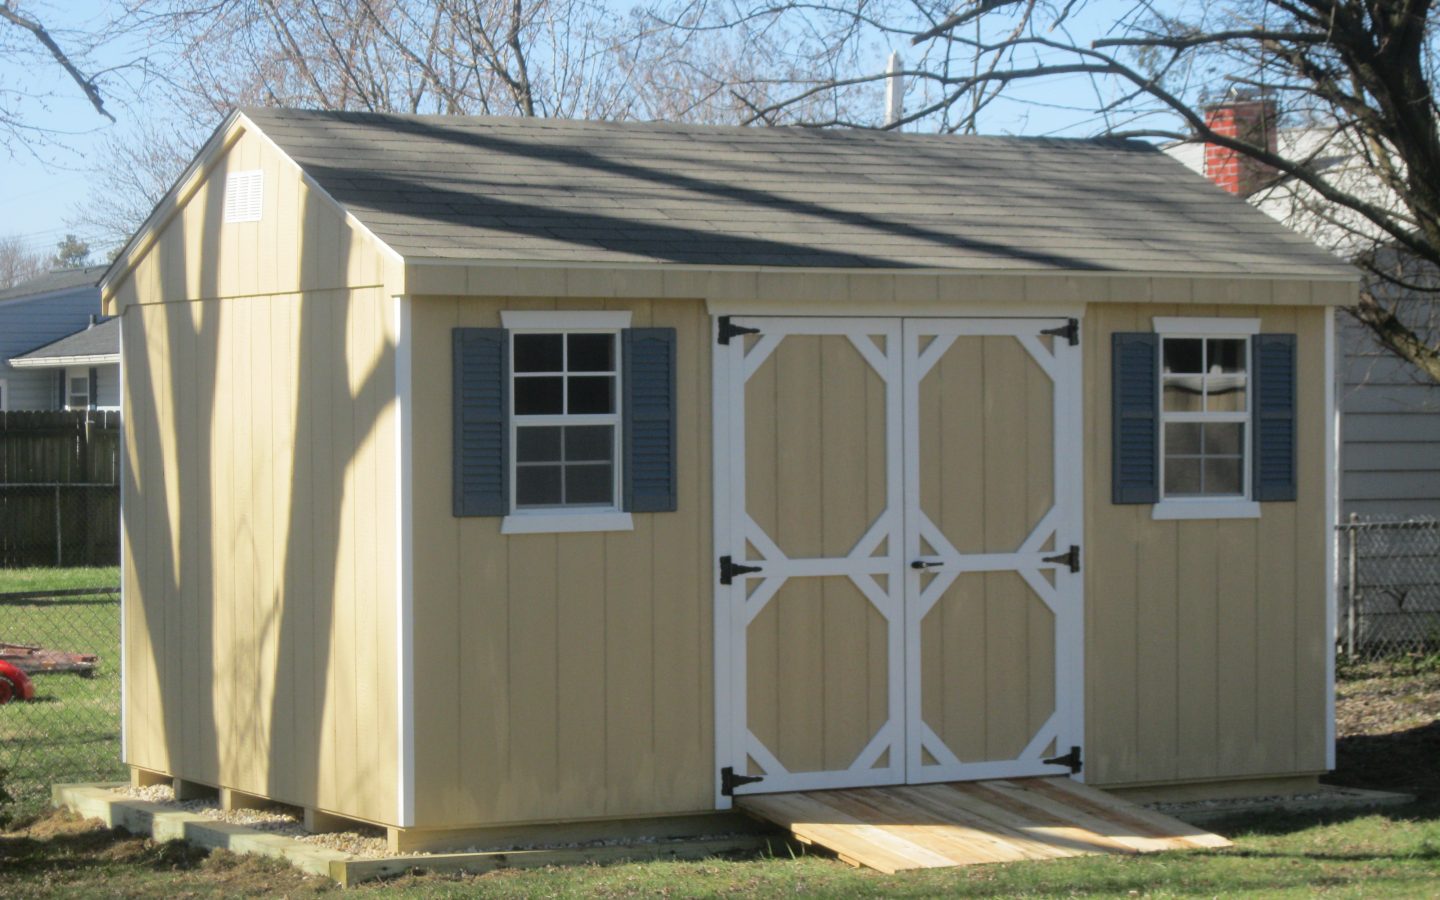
x: 1389, y: 587
x: 67, y: 642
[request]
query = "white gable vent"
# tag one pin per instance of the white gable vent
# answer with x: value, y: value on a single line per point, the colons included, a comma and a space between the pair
x: 243, y: 194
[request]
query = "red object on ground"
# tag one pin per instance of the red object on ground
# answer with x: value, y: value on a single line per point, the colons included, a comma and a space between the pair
x: 13, y: 684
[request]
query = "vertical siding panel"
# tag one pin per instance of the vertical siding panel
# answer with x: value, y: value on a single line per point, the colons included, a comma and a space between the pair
x: 267, y: 599
x: 683, y: 570
x: 1112, y: 706
x: 206, y: 413
x: 287, y: 712
x: 535, y: 705
x: 188, y: 419
x: 1237, y: 687
x: 362, y: 342
x: 170, y: 676
x: 799, y: 611
x: 384, y: 634
x: 1312, y: 531
x: 845, y: 613
x: 1005, y: 598
x: 1198, y: 659
x: 581, y: 660
x: 443, y: 676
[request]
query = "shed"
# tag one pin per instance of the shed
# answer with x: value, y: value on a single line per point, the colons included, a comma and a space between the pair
x: 487, y: 472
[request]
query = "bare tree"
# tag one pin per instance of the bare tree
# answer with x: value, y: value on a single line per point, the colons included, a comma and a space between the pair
x: 25, y: 38
x: 18, y: 263
x: 1358, y: 76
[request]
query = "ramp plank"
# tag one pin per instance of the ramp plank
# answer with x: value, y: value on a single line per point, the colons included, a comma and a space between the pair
x: 937, y: 825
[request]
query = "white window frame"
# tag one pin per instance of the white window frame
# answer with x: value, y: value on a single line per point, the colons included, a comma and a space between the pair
x: 4, y: 395
x: 1239, y: 506
x: 567, y: 519
x: 70, y: 390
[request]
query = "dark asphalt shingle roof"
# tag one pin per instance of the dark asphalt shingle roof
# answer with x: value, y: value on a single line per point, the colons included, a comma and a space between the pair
x: 98, y: 340
x: 55, y: 280
x: 510, y: 189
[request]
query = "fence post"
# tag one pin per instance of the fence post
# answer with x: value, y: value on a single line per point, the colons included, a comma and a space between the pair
x: 1352, y: 594
x: 59, y: 539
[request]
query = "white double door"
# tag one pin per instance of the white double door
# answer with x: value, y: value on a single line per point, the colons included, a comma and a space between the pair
x: 896, y: 502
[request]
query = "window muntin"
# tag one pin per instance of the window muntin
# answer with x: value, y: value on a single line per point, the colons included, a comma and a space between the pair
x: 1205, y: 417
x: 565, y: 424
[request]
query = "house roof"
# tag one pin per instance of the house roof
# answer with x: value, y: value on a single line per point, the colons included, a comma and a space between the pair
x: 55, y: 280
x: 471, y: 189
x: 96, y: 344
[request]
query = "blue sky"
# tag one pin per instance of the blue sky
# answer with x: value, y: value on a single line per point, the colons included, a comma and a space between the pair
x: 42, y: 184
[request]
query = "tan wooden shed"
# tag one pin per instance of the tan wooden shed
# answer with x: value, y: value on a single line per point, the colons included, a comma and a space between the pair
x: 493, y: 472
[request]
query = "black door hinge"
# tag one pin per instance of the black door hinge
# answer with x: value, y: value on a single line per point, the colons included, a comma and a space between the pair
x: 729, y: 569
x: 1071, y: 759
x: 1070, y: 331
x: 729, y: 330
x: 729, y: 781
x: 1069, y: 558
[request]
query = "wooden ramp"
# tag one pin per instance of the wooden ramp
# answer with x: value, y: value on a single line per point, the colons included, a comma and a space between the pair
x: 966, y: 823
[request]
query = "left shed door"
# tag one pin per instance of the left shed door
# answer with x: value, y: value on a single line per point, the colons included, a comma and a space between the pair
x: 814, y: 638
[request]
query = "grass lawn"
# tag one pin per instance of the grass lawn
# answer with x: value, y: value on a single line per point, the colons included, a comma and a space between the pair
x: 1389, y: 729
x: 1396, y: 854
x: 72, y: 731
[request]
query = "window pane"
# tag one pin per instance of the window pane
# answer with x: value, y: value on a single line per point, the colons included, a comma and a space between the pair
x: 1222, y: 475
x: 537, y: 486
x: 539, y: 353
x: 592, y: 352
x: 589, y: 442
x: 1182, y: 476
x: 79, y: 385
x: 1184, y: 393
x: 588, y: 484
x: 1225, y: 393
x: 590, y: 395
x: 1222, y: 438
x: 1182, y: 438
x: 1183, y: 355
x: 538, y: 444
x: 538, y: 396
x: 1225, y: 355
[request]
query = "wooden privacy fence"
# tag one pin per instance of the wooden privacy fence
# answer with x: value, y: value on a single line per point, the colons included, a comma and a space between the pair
x: 59, y: 489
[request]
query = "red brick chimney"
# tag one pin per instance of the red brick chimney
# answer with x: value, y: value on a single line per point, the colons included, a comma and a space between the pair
x: 1247, y: 117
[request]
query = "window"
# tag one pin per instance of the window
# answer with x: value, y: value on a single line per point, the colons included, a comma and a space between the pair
x: 1205, y: 416
x: 4, y: 395
x: 78, y: 392
x: 564, y: 421
x: 565, y: 425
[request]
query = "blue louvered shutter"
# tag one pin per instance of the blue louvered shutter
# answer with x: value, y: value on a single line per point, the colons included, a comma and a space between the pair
x: 1135, y: 417
x: 482, y: 432
x: 1273, y: 381
x: 649, y: 419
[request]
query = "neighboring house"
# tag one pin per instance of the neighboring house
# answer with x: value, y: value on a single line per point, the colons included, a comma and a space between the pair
x: 1390, y: 411
x: 494, y: 471
x: 85, y: 364
x: 40, y: 312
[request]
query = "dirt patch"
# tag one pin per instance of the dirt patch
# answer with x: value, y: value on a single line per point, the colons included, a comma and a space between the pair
x: 1387, y: 725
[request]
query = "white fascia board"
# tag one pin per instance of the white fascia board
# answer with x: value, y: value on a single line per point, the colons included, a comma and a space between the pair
x: 60, y: 362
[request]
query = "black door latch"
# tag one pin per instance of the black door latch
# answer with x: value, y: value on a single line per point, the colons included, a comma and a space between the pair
x: 1070, y: 558
x: 1071, y: 759
x: 728, y: 330
x: 1070, y: 331
x: 729, y: 781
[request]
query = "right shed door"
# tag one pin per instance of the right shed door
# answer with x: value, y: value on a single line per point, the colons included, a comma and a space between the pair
x: 993, y: 631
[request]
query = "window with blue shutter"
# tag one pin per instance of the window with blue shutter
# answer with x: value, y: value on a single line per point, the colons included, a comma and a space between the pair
x: 1203, y: 418
x: 564, y: 428
x: 1135, y: 440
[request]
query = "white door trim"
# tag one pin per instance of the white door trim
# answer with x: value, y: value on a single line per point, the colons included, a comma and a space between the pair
x: 733, y: 611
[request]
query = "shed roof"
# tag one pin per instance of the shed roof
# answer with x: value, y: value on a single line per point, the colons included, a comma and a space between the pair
x: 97, y: 343
x: 536, y: 190
x: 55, y: 280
